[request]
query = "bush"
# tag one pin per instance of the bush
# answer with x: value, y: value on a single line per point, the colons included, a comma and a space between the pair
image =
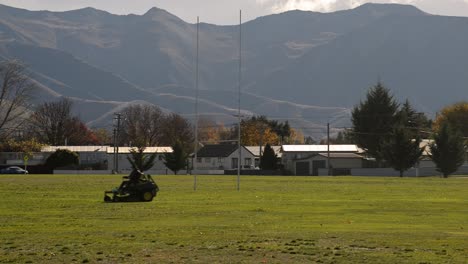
x: 62, y: 158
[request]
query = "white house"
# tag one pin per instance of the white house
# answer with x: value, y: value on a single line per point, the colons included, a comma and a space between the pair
x: 223, y: 157
x: 257, y: 151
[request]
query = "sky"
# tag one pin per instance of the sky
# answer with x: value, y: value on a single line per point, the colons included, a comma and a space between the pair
x: 226, y: 12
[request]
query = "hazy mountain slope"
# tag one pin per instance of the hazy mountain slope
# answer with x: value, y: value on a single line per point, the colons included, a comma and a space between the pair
x: 80, y: 79
x: 423, y: 65
x: 315, y: 65
x: 158, y: 48
x: 122, y: 43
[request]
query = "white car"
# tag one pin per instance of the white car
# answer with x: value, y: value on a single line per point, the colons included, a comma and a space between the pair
x: 13, y: 170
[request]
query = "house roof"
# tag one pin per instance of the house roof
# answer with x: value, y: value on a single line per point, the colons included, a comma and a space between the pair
x: 320, y: 148
x: 342, y: 155
x: 76, y: 148
x: 105, y: 149
x: 255, y: 150
x: 332, y: 156
x: 211, y: 151
x: 126, y: 150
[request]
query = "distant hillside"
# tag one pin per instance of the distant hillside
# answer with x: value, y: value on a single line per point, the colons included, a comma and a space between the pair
x: 306, y: 67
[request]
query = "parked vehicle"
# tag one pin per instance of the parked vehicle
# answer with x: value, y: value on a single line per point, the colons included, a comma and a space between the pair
x: 13, y: 170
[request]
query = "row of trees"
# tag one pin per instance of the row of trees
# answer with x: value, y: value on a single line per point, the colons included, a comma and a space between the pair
x: 148, y: 125
x: 53, y: 123
x: 255, y: 130
x: 391, y: 133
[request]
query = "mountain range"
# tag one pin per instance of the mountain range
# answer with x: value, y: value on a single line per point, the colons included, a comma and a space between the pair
x: 306, y: 67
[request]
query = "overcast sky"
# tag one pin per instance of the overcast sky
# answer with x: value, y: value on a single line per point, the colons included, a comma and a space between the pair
x: 226, y: 11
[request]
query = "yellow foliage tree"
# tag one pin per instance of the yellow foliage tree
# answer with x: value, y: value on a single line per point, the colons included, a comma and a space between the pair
x: 208, y: 131
x: 254, y: 133
x: 455, y: 115
x: 297, y: 137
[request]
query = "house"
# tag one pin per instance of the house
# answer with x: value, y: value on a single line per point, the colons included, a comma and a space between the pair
x: 257, y: 151
x: 124, y: 152
x: 313, y: 159
x: 223, y: 157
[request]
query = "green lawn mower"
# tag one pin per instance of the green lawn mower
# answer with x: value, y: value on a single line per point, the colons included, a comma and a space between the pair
x: 137, y: 187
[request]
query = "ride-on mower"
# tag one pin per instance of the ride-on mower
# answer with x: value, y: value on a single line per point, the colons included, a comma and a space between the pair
x: 136, y: 187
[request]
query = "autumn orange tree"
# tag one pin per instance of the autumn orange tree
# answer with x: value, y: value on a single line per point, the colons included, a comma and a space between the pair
x: 260, y: 131
x: 456, y: 115
x: 209, y: 131
x: 296, y: 137
x: 27, y: 145
x: 253, y: 134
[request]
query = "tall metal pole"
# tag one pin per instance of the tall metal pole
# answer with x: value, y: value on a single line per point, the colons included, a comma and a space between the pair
x: 119, y: 117
x: 115, y: 151
x: 328, y: 148
x: 196, y: 111
x: 239, y: 102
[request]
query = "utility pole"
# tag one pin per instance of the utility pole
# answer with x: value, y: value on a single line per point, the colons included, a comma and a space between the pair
x: 114, y: 135
x: 118, y: 117
x: 328, y: 148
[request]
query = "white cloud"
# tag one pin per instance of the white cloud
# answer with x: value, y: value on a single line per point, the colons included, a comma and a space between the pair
x: 323, y: 5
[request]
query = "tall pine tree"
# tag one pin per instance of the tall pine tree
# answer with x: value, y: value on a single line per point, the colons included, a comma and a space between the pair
x: 141, y: 161
x: 268, y: 161
x: 448, y: 149
x: 374, y: 119
x: 401, y: 151
x: 176, y: 160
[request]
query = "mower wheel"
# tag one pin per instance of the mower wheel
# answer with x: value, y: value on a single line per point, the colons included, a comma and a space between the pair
x: 147, y: 196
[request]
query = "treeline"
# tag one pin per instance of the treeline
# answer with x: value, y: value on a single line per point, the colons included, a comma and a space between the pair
x: 391, y: 132
x: 25, y: 128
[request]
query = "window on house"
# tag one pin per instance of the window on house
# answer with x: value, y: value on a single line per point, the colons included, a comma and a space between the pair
x: 220, y: 160
x: 234, y: 162
x: 199, y: 160
x: 207, y: 160
x: 247, y: 161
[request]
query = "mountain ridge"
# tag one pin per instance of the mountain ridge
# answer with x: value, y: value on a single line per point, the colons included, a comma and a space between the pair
x: 294, y: 63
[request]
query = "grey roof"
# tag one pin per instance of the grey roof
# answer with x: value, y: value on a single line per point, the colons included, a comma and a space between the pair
x: 76, y: 148
x: 212, y: 151
x: 342, y: 155
x: 255, y: 150
x: 104, y: 149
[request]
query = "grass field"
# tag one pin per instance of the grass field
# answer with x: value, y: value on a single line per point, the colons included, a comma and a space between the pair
x: 62, y: 219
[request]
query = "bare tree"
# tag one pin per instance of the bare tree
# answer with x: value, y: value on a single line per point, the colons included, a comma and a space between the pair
x: 51, y: 122
x: 16, y: 88
x: 147, y: 125
x: 177, y: 129
x: 141, y: 125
